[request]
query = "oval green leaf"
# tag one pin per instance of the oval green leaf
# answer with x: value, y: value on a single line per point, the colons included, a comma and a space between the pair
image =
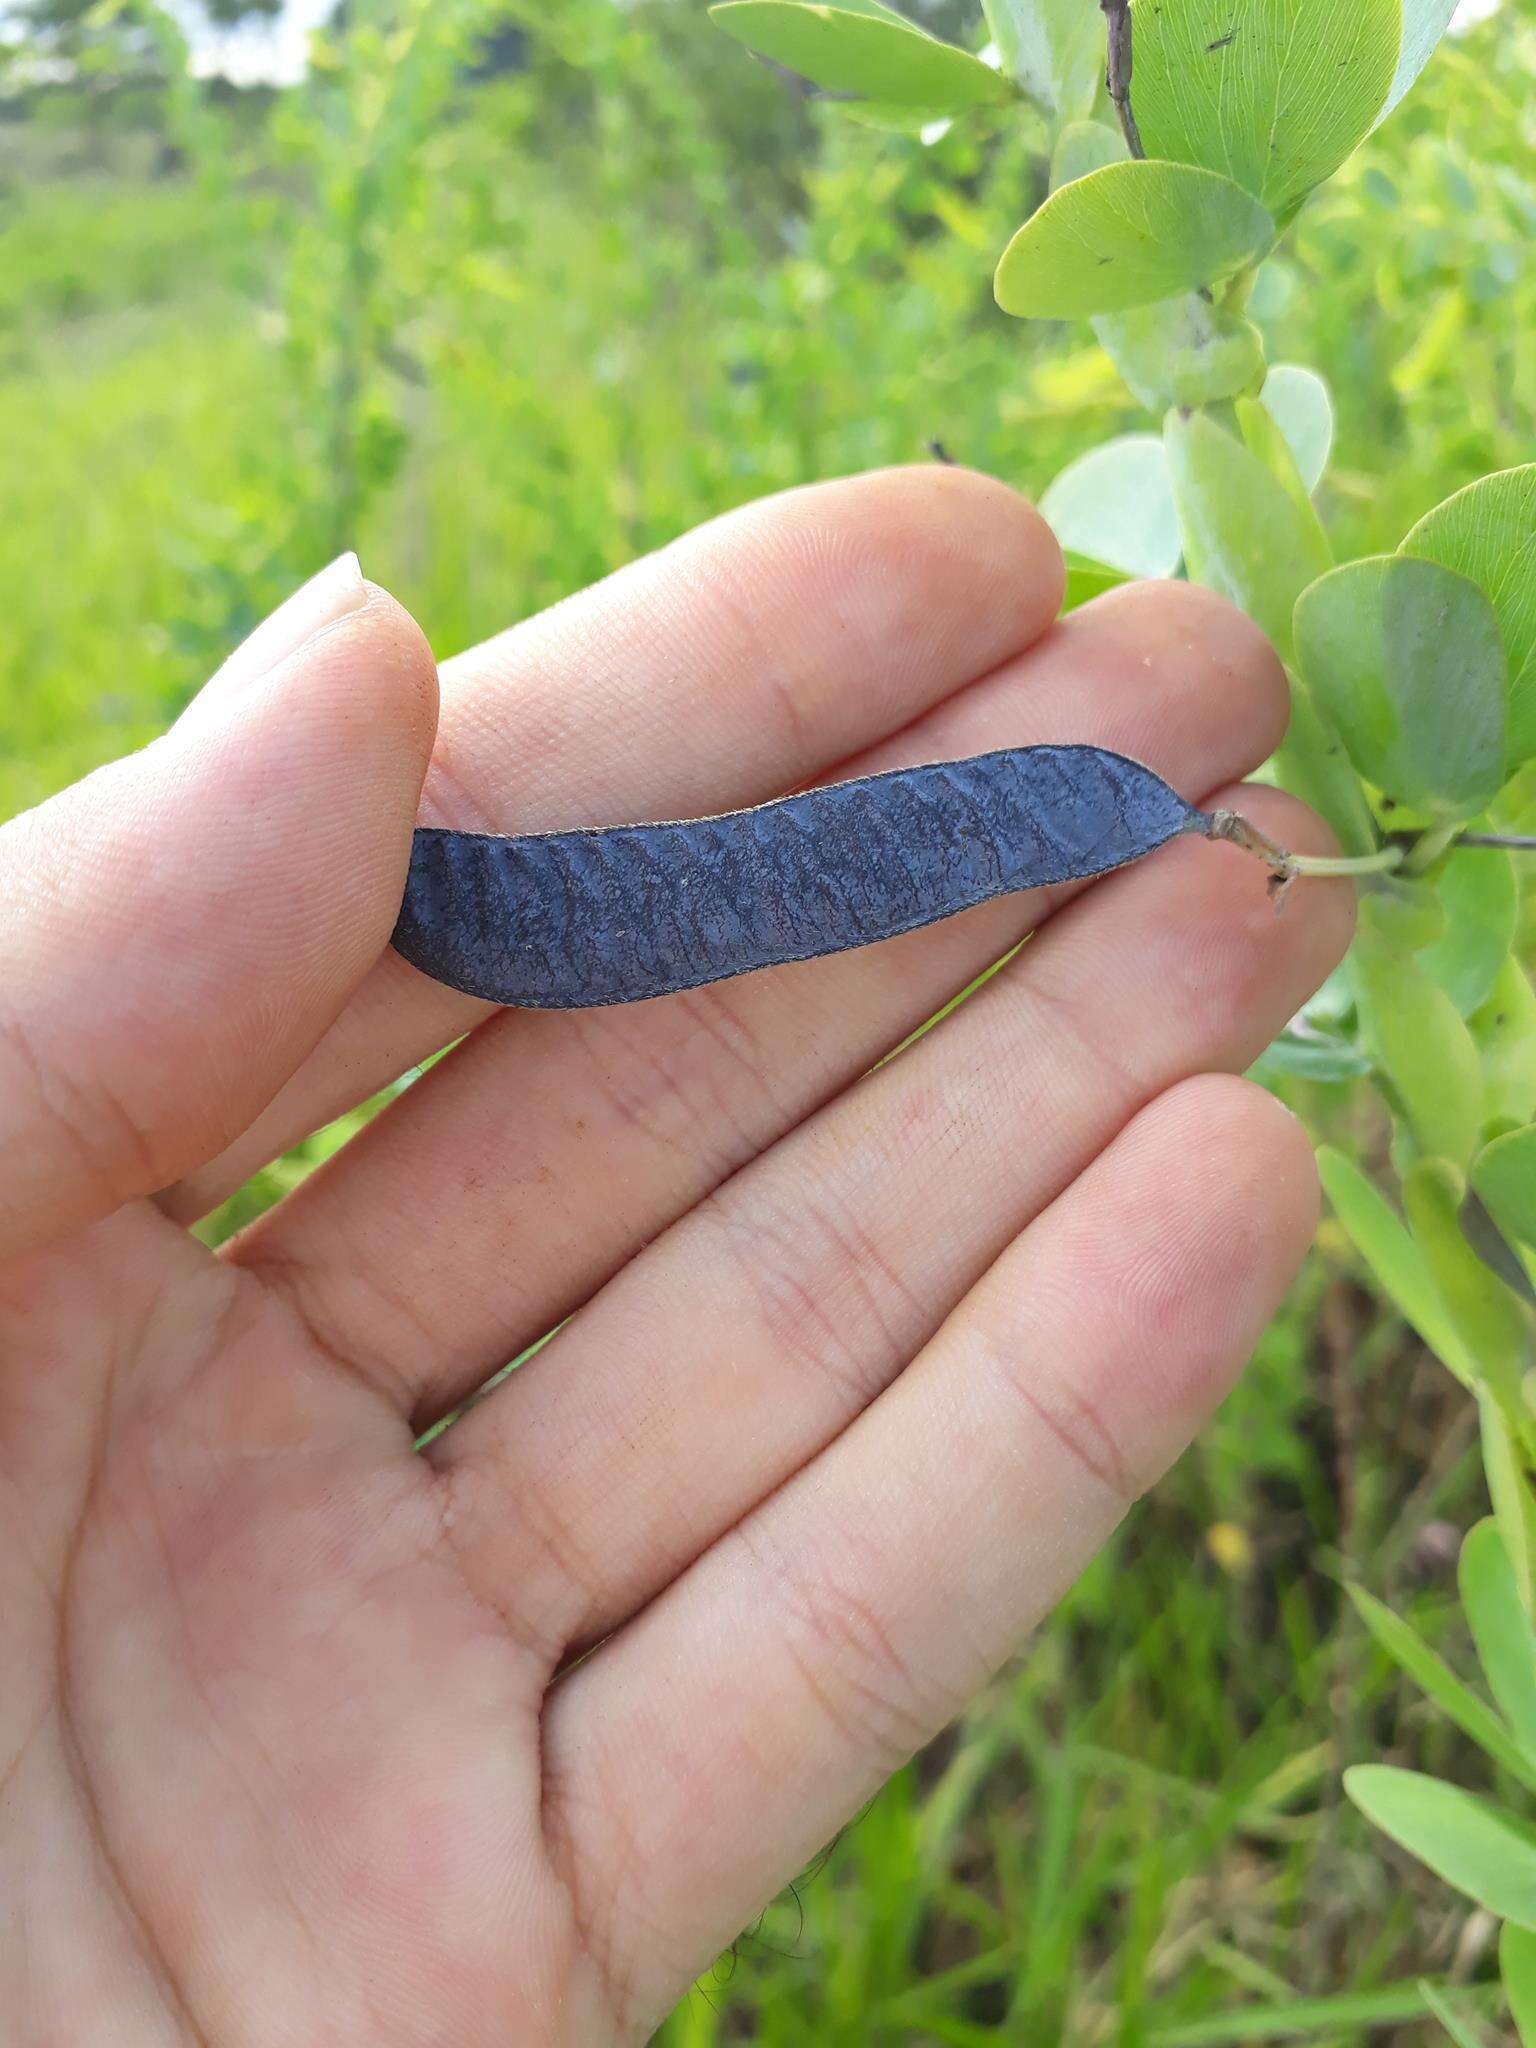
x: 1116, y: 504
x: 1126, y: 235
x: 1297, y: 400
x: 1504, y: 1032
x: 1418, y: 1039
x: 1509, y: 1489
x: 1504, y: 1175
x: 1396, y: 1263
x: 1313, y: 765
x: 1406, y: 658
x: 1407, y: 910
x: 1482, y: 905
x: 1488, y: 533
x: 1488, y: 1854
x: 1274, y: 95
x: 1424, y: 23
x: 1054, y: 48
x: 1084, y: 146
x: 1309, y: 1058
x: 929, y: 123
x: 1243, y: 534
x: 1490, y: 1320
x: 1183, y: 351
x: 871, y: 52
x: 1506, y: 1642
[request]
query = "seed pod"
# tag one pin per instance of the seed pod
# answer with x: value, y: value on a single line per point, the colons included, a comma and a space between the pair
x: 574, y: 920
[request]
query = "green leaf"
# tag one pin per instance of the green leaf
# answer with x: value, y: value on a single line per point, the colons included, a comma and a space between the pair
x: 1116, y: 504
x: 1182, y: 351
x: 1504, y: 1175
x: 1509, y: 1488
x: 1504, y: 1031
x: 1274, y: 94
x: 1450, y: 2016
x: 1496, y: 1250
x: 1126, y: 235
x: 1491, y: 1321
x: 1506, y: 1642
x: 1395, y: 1261
x: 1405, y: 656
x: 1243, y: 535
x: 1313, y: 765
x: 1297, y: 400
x: 1343, y: 2017
x: 864, y: 50
x: 875, y: 8
x: 1310, y: 1058
x: 888, y: 119
x: 1262, y: 437
x: 1053, y: 48
x: 1424, y: 23
x: 1407, y: 910
x: 1087, y: 579
x: 1420, y: 1042
x: 1429, y: 1671
x: 1084, y: 146
x: 1488, y: 533
x: 1517, y: 1968
x: 1477, y: 1847
x: 1482, y: 906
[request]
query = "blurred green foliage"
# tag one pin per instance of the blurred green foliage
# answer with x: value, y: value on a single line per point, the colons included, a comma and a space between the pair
x: 508, y: 327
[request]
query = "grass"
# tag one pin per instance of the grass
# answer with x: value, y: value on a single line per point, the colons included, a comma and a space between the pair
x: 605, y: 333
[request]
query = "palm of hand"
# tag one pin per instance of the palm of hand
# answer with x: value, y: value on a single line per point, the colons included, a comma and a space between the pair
x: 288, y: 1756
x: 276, y: 1767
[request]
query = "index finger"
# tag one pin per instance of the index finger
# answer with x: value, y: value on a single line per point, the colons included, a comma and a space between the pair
x: 750, y: 656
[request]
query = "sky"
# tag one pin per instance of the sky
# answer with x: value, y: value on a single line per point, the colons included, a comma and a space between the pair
x: 266, y: 52
x: 274, y: 51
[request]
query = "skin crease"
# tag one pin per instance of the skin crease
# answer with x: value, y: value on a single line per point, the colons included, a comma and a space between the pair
x: 284, y: 1756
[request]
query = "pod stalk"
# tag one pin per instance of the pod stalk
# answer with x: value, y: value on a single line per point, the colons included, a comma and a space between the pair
x: 1284, y: 866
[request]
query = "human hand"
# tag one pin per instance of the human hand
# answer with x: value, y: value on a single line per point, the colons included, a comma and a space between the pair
x: 858, y: 1372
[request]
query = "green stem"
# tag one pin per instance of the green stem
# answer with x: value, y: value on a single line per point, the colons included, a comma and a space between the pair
x: 1427, y: 849
x: 1382, y: 862
x: 1284, y: 865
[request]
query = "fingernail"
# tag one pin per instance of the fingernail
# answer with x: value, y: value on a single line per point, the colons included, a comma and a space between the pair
x: 328, y: 596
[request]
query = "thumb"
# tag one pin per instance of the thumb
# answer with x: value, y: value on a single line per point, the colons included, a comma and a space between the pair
x: 178, y: 930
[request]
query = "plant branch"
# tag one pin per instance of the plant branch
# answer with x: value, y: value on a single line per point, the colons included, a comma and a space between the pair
x: 1117, y: 76
x: 1514, y: 842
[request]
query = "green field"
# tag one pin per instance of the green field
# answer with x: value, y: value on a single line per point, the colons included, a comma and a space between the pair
x: 602, y: 299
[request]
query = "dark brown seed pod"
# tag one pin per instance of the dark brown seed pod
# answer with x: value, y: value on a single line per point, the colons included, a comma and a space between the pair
x: 576, y: 920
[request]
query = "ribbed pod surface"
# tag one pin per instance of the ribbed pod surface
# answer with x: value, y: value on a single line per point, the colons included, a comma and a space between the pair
x: 572, y: 920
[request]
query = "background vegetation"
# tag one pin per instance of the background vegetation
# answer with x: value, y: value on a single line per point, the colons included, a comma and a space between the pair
x: 507, y: 294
